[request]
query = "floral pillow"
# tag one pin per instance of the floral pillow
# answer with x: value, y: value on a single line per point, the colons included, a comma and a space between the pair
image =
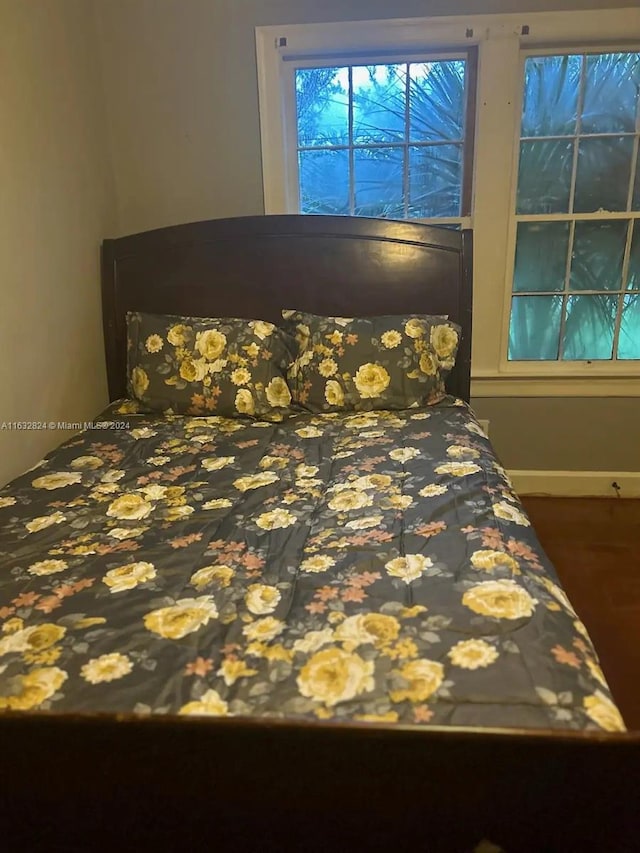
x: 202, y: 366
x: 366, y: 363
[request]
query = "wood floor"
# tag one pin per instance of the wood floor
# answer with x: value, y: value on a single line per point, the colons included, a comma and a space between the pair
x: 594, y: 544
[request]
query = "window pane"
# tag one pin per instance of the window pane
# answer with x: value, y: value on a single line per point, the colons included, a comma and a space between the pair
x: 436, y: 100
x: 382, y: 116
x: 551, y: 85
x: 541, y: 256
x: 635, y: 203
x: 435, y: 180
x: 324, y: 181
x: 598, y: 253
x: 378, y: 179
x: 629, y: 340
x: 545, y: 176
x: 535, y: 328
x: 611, y: 93
x: 589, y: 327
x: 604, y: 171
x: 633, y: 278
x: 322, y: 100
x: 378, y: 103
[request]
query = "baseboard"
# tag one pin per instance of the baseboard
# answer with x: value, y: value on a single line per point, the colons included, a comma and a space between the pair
x: 576, y: 484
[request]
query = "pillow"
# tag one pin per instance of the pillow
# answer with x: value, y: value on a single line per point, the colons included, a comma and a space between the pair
x: 366, y: 363
x: 203, y: 366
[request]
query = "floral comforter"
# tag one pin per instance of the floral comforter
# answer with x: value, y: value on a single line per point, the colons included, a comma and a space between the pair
x: 373, y: 567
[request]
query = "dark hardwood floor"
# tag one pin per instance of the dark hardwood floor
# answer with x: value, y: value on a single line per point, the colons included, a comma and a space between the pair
x: 594, y: 544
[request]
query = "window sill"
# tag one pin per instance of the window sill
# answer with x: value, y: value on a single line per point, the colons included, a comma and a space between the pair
x: 501, y: 385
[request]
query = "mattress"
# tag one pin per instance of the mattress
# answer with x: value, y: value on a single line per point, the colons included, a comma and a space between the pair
x: 371, y: 567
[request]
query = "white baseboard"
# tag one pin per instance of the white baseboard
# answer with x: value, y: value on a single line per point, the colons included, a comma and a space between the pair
x: 573, y: 484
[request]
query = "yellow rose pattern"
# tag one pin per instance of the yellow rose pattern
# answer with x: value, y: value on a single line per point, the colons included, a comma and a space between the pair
x: 370, y: 363
x: 199, y: 366
x: 371, y: 566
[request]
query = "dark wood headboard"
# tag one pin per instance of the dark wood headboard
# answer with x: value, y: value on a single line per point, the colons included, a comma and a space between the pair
x: 254, y: 266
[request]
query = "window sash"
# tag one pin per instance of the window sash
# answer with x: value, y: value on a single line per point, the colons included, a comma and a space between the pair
x: 572, y: 217
x: 469, y: 54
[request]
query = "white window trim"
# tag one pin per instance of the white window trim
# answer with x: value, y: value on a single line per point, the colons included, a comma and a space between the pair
x: 500, y: 41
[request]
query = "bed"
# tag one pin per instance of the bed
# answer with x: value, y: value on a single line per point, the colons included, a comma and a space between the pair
x: 332, y: 624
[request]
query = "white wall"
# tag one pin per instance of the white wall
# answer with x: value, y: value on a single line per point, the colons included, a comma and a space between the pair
x: 57, y: 202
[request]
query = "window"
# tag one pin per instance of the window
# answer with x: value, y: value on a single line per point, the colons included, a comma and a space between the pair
x: 576, y: 279
x: 385, y: 139
x: 508, y: 124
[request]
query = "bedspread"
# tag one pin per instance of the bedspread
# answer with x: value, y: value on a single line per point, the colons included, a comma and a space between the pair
x: 373, y: 567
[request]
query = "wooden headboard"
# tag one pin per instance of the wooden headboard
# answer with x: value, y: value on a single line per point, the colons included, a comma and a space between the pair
x: 254, y: 266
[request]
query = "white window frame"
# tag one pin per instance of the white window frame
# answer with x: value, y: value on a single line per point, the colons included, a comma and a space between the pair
x: 500, y: 39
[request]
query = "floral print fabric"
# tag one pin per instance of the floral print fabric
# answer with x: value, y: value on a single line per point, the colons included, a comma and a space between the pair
x: 198, y: 366
x: 369, y: 363
x: 372, y: 566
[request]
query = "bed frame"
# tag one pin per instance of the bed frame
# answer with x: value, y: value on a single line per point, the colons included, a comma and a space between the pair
x: 107, y: 782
